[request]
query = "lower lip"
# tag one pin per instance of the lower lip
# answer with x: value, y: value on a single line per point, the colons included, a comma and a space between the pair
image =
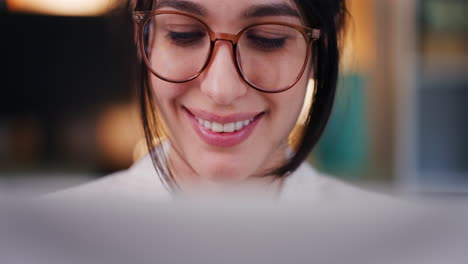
x: 223, y: 139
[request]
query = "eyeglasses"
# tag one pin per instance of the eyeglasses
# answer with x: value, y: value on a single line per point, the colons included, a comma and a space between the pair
x: 269, y: 56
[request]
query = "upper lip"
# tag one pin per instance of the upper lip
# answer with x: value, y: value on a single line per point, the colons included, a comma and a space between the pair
x: 205, y: 115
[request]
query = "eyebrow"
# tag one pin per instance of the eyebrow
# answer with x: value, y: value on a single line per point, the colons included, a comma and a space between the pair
x: 183, y: 5
x: 252, y: 12
x: 271, y: 10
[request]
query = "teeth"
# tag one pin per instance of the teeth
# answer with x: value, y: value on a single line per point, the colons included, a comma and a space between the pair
x: 229, y: 127
x: 239, y: 125
x: 226, y: 128
x: 216, y: 127
x: 207, y: 124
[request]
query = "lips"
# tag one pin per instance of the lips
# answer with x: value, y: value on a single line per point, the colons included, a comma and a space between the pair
x: 223, y: 131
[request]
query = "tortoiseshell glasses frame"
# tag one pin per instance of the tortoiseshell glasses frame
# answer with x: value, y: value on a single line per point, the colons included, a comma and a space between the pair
x: 142, y: 17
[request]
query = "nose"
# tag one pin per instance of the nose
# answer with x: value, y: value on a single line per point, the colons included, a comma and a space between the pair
x: 221, y: 82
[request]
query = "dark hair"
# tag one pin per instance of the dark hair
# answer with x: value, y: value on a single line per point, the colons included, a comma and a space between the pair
x: 327, y: 15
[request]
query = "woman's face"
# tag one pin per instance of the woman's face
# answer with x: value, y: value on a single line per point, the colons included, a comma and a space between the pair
x: 255, y: 125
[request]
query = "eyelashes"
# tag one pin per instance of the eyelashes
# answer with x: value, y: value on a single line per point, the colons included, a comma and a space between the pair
x: 185, y: 39
x: 266, y: 44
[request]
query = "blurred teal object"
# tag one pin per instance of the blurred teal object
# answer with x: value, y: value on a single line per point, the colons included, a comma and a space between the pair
x: 343, y: 149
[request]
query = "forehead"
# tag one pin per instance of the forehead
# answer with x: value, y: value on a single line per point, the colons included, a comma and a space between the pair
x: 234, y: 11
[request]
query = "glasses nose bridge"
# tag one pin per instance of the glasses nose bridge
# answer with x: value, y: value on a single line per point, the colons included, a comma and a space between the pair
x: 225, y: 36
x: 232, y: 38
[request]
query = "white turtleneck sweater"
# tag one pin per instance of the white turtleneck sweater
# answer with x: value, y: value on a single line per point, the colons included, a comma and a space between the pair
x: 141, y: 181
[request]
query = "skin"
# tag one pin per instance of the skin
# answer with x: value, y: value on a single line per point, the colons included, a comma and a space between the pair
x: 221, y: 91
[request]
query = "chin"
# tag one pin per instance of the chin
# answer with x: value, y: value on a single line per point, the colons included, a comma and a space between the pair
x: 224, y: 174
x: 224, y: 171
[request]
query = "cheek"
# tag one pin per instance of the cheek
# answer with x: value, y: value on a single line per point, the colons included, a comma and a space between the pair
x: 288, y: 106
x: 166, y: 96
x: 290, y: 102
x: 165, y: 91
x: 285, y: 113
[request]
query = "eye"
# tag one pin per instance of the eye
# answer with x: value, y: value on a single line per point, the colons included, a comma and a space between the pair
x: 268, y: 38
x: 187, y: 38
x: 266, y: 43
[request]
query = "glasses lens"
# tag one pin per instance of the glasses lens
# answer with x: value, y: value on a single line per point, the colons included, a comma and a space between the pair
x: 176, y: 46
x: 271, y: 57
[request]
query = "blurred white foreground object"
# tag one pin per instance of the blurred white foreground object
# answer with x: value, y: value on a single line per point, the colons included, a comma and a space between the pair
x: 122, y: 231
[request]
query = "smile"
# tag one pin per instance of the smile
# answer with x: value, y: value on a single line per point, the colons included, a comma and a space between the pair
x: 223, y: 131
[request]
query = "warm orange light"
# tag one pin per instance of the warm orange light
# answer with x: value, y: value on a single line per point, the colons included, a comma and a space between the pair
x: 309, y: 98
x: 62, y: 7
x: 359, y: 53
x: 118, y: 131
x: 297, y: 131
x: 140, y: 149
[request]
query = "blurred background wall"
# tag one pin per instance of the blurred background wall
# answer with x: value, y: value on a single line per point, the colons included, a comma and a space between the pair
x: 68, y: 106
x: 400, y: 113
